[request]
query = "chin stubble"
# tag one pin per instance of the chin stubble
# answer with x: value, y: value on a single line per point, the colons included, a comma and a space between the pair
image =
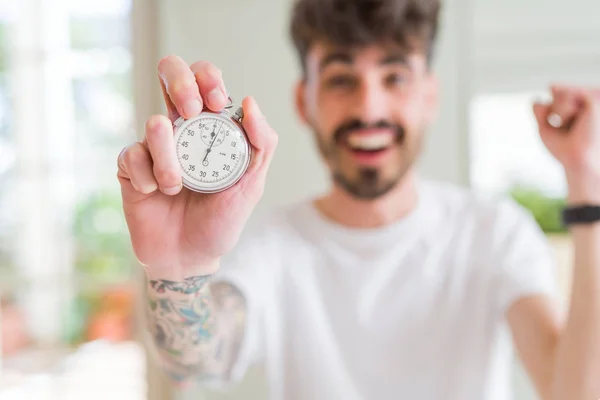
x: 368, y: 183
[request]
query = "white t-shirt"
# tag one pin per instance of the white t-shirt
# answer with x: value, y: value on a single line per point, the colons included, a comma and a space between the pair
x: 413, y: 310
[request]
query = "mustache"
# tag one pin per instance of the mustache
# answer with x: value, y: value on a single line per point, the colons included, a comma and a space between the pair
x: 356, y: 124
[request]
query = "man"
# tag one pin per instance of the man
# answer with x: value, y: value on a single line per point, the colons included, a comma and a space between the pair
x: 388, y: 286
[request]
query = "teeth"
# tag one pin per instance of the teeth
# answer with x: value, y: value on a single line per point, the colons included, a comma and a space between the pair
x: 375, y: 141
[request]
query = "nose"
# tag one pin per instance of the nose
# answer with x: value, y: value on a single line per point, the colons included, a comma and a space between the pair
x: 371, y: 103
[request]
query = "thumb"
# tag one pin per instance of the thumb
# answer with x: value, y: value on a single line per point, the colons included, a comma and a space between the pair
x: 262, y: 137
x: 548, y: 134
x: 541, y: 112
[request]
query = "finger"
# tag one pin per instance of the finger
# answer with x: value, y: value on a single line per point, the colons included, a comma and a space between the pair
x: 262, y: 137
x: 135, y: 166
x: 549, y: 135
x: 171, y: 109
x: 210, y: 82
x: 541, y: 112
x: 564, y: 107
x: 159, y: 138
x: 586, y: 98
x: 179, y: 88
x: 588, y: 103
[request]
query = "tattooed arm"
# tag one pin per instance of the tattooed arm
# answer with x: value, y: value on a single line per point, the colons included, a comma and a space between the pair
x: 197, y: 327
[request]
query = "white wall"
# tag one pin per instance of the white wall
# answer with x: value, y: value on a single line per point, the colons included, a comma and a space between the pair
x: 526, y: 45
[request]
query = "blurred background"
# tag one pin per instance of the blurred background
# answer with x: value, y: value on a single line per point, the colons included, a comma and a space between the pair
x: 77, y: 81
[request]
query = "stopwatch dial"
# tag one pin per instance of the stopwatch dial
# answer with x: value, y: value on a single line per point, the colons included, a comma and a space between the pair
x: 211, y: 150
x: 208, y: 131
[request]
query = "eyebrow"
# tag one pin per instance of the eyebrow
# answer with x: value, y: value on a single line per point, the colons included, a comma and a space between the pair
x: 348, y: 59
x: 344, y: 58
x: 396, y: 58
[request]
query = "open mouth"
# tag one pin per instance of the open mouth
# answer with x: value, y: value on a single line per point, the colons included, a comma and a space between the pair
x: 370, y: 142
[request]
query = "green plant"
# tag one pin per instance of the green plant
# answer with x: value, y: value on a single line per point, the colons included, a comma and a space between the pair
x: 7, y: 267
x: 545, y: 209
x: 103, y: 248
x: 103, y: 256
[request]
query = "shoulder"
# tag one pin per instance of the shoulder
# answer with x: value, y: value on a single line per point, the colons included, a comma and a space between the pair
x: 490, y: 213
x: 502, y: 236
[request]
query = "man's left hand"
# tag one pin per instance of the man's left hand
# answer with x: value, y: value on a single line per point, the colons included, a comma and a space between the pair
x: 570, y: 128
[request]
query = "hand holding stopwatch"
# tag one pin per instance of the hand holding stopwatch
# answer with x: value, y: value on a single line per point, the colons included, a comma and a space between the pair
x: 191, y: 184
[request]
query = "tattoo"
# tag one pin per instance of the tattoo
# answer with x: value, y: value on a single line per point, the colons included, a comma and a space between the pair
x: 188, y: 286
x: 197, y: 327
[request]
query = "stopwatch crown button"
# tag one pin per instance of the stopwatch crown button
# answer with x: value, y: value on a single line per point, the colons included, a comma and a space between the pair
x: 239, y: 114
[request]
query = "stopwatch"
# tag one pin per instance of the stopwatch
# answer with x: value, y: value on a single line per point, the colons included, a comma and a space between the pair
x: 212, y: 149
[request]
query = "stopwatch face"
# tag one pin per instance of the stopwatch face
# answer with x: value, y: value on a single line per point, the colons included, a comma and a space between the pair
x: 212, y: 150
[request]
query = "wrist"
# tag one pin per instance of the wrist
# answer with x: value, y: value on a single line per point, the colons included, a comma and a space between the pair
x: 179, y: 273
x: 182, y: 291
x: 583, y: 188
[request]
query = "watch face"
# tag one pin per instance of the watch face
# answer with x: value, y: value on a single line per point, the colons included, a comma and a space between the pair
x: 212, y: 150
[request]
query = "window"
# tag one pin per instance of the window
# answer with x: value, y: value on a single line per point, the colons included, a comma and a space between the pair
x: 506, y: 149
x: 514, y: 57
x: 68, y: 276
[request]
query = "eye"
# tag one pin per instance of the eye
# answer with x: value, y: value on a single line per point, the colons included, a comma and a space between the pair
x: 340, y: 81
x: 396, y: 79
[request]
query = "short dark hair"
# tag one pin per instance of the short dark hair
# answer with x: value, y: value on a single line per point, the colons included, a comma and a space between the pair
x: 356, y: 23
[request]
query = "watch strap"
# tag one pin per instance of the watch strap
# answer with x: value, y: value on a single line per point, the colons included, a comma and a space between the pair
x: 583, y: 214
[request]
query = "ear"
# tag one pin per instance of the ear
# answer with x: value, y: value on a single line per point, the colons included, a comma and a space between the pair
x: 300, y: 95
x: 431, y: 97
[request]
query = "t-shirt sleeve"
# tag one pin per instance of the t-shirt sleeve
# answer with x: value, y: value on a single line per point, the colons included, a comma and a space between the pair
x: 246, y: 268
x: 527, y: 265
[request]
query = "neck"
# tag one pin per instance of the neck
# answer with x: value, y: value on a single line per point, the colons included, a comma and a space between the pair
x: 344, y: 209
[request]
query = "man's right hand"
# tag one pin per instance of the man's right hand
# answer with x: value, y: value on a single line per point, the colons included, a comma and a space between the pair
x: 175, y: 232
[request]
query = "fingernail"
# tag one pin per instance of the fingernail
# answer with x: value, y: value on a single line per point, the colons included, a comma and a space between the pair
x: 147, y: 189
x: 555, y: 120
x: 216, y: 97
x: 172, y: 190
x: 192, y: 108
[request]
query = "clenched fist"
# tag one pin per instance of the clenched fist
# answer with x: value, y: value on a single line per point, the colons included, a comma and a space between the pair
x: 570, y: 128
x: 175, y: 232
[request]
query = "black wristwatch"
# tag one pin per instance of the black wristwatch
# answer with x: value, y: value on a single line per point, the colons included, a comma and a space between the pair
x: 584, y: 214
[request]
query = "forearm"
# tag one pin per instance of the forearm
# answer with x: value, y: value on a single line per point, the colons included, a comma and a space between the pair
x: 196, y: 327
x: 577, y: 372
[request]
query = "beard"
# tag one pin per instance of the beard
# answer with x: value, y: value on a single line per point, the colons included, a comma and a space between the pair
x: 366, y: 183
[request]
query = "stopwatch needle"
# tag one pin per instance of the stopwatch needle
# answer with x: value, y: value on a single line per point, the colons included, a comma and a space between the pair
x: 213, y: 141
x: 206, y: 155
